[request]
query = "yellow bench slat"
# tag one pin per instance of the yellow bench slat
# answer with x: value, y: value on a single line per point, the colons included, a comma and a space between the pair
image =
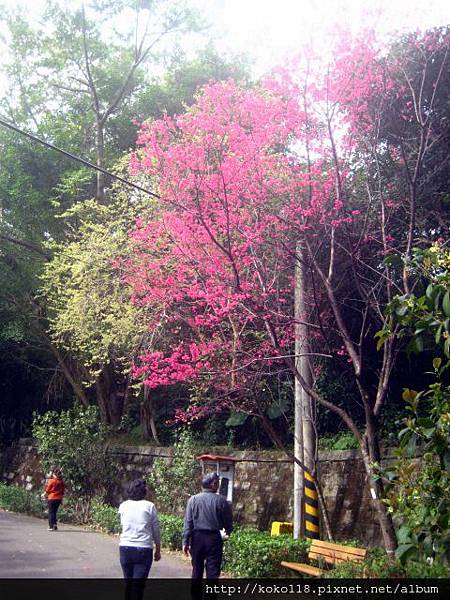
x: 318, y: 545
x: 333, y: 558
x: 303, y: 568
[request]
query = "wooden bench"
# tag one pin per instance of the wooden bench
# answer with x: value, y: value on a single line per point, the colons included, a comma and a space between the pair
x: 326, y: 552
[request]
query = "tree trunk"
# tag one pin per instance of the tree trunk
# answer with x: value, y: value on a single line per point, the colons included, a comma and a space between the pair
x: 148, y: 417
x: 109, y: 397
x: 100, y: 152
x: 370, y: 455
x: 101, y: 402
x: 76, y: 385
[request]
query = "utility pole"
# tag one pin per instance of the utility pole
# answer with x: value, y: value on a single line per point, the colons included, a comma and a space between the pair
x: 304, y: 430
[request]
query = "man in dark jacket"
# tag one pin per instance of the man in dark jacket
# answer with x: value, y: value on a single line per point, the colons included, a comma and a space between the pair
x: 206, y: 515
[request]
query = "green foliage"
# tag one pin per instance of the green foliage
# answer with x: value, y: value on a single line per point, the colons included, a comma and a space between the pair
x: 75, y: 440
x: 133, y: 437
x: 378, y: 566
x: 72, y: 510
x: 424, y: 318
x: 340, y: 441
x: 171, y: 531
x: 337, y: 386
x: 253, y: 553
x: 18, y: 499
x: 90, y: 311
x: 420, y: 488
x: 104, y: 516
x: 175, y: 481
x: 48, y: 91
x: 425, y: 569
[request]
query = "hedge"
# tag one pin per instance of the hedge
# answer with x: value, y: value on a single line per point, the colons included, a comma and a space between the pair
x: 104, y: 517
x: 171, y: 531
x: 378, y: 566
x: 18, y: 499
x: 253, y: 553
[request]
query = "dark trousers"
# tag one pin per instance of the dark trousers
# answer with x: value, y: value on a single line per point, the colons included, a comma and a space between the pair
x: 206, y: 547
x: 53, y: 506
x: 135, y: 562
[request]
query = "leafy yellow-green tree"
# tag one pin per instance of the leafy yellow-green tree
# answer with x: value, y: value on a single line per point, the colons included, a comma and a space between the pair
x: 90, y: 312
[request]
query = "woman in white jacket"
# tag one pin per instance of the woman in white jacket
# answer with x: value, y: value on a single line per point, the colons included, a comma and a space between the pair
x: 140, y: 541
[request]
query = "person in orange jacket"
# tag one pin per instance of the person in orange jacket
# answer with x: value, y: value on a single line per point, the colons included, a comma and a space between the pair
x: 55, y: 492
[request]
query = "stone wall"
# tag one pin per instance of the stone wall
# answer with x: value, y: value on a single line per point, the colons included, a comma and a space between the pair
x: 20, y: 465
x: 262, y: 490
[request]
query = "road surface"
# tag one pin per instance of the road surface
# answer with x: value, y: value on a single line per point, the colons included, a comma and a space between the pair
x: 28, y: 550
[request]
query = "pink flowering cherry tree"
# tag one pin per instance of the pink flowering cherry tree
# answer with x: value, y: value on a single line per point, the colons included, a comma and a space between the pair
x: 248, y: 174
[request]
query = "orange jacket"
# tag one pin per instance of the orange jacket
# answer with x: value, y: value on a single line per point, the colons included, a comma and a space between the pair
x: 55, y: 488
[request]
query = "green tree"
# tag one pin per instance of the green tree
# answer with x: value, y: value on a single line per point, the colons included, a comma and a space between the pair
x: 79, y: 80
x: 90, y: 312
x: 420, y: 491
x: 88, y: 74
x: 75, y: 440
x: 420, y: 485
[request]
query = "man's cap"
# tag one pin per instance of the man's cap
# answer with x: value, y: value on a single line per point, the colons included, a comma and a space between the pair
x: 209, y: 480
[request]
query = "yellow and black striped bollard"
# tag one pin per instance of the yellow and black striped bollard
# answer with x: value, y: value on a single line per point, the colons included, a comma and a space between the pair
x: 312, y: 530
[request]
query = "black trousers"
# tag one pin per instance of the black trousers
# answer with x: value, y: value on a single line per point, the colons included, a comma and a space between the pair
x: 135, y: 562
x: 206, y: 549
x: 53, y: 506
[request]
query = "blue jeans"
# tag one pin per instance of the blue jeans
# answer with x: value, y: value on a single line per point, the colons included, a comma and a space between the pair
x: 135, y: 562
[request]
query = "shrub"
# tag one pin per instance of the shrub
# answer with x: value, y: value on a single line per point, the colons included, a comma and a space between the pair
x: 420, y: 489
x: 253, y: 553
x: 75, y: 440
x: 423, y: 569
x: 378, y: 566
x: 104, y: 516
x: 69, y: 511
x: 419, y: 498
x: 173, y: 483
x: 171, y: 531
x: 345, y: 440
x: 18, y: 499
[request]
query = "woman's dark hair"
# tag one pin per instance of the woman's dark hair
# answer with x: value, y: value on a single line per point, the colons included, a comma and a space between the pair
x: 57, y: 472
x: 136, y: 490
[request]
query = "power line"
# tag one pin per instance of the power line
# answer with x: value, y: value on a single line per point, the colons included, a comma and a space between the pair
x: 74, y: 157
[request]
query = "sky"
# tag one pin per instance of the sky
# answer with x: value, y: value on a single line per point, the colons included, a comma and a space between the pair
x: 272, y: 29
x: 269, y: 30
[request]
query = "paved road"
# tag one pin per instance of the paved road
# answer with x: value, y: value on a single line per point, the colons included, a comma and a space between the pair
x: 28, y: 550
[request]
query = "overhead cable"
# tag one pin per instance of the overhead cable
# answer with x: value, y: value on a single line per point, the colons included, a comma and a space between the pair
x: 34, y: 138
